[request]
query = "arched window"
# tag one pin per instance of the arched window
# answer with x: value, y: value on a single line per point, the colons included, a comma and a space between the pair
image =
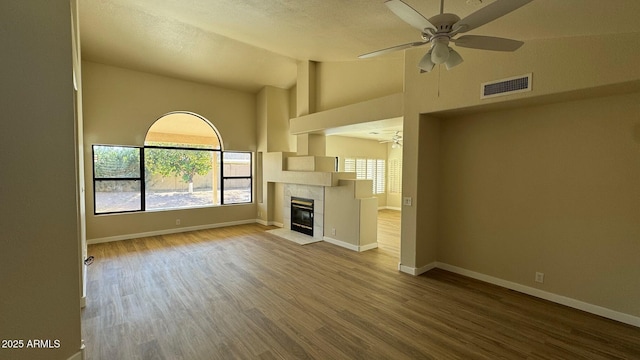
x: 182, y: 165
x: 183, y: 129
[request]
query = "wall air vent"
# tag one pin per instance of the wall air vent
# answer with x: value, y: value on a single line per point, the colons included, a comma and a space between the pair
x: 512, y: 85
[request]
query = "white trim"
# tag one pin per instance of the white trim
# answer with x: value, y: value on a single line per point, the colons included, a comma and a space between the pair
x: 368, y: 247
x: 167, y: 231
x: 340, y: 243
x: 407, y: 269
x: 349, y: 246
x: 269, y: 223
x: 559, y: 299
x: 393, y: 208
x: 416, y: 271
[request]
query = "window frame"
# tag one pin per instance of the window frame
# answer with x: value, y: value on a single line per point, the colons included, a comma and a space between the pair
x: 223, y: 177
x: 142, y: 174
x: 140, y: 178
x: 144, y: 194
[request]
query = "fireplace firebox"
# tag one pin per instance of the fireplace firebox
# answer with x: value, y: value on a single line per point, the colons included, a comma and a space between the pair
x: 302, y: 215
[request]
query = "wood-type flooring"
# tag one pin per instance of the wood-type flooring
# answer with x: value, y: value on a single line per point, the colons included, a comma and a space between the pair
x: 242, y: 293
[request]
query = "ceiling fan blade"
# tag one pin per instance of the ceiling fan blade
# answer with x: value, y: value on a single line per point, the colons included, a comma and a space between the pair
x: 488, y: 43
x: 391, y: 49
x: 488, y: 14
x: 409, y: 15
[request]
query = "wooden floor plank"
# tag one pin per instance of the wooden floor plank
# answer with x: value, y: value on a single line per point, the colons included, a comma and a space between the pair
x: 242, y: 293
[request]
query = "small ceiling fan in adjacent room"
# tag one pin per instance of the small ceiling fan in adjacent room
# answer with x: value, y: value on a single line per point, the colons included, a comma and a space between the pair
x: 396, y: 140
x: 441, y: 29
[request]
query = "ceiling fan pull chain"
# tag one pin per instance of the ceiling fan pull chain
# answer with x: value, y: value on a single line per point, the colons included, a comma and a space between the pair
x: 439, y: 68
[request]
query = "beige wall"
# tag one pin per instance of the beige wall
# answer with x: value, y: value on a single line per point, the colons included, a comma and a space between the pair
x: 351, y: 213
x: 40, y: 242
x: 564, y: 69
x: 420, y: 156
x: 344, y: 83
x: 394, y: 199
x: 119, y: 107
x: 274, y: 109
x: 381, y: 110
x: 553, y: 188
x: 121, y: 104
x: 273, y: 124
x: 343, y: 147
x: 559, y: 66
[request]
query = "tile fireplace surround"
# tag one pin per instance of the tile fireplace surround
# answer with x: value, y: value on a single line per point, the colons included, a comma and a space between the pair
x: 309, y: 192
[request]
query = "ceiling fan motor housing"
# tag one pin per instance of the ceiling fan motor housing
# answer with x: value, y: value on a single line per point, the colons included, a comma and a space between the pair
x: 444, y: 22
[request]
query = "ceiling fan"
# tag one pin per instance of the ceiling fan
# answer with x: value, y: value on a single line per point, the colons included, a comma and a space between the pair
x: 395, y: 140
x: 440, y: 30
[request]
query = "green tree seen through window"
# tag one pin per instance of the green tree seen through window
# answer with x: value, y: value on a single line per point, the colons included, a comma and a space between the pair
x: 182, y: 163
x: 116, y: 161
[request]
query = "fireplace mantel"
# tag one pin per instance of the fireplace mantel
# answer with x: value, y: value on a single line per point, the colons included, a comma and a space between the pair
x: 287, y: 168
x: 342, y: 205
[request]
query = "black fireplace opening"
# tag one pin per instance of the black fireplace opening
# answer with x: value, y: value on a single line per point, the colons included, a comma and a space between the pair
x: 302, y: 215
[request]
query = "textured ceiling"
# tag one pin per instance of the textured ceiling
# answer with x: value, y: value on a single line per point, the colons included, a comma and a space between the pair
x: 246, y: 44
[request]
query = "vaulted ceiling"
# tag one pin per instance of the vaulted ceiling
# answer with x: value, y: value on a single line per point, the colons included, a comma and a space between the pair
x: 247, y: 44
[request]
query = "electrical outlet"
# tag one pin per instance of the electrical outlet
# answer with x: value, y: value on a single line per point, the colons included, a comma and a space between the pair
x: 539, y: 277
x: 406, y: 201
x: 333, y: 231
x: 177, y: 221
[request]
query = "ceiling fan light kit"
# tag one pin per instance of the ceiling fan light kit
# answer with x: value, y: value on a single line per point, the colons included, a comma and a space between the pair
x: 426, y: 64
x: 440, y: 51
x: 454, y: 59
x: 441, y: 29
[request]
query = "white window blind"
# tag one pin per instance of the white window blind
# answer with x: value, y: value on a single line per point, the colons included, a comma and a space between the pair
x: 395, y: 176
x: 350, y: 165
x: 361, y: 168
x: 371, y: 169
x: 378, y: 183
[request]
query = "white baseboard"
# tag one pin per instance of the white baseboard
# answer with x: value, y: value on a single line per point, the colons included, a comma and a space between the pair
x: 349, y: 246
x: 340, y: 243
x: 368, y: 247
x: 269, y: 223
x: 416, y: 271
x: 559, y: 299
x: 392, y: 208
x: 167, y: 231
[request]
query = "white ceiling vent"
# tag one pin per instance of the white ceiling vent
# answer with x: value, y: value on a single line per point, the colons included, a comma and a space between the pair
x: 512, y: 85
